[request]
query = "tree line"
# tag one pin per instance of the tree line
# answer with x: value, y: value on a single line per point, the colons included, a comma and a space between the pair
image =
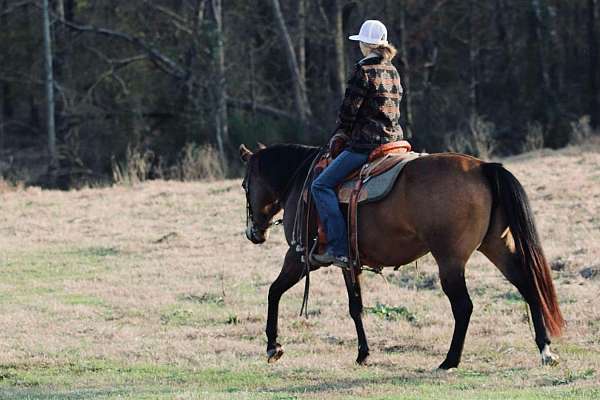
x: 89, y: 88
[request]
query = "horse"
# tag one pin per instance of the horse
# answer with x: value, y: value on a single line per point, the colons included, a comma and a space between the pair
x: 446, y: 204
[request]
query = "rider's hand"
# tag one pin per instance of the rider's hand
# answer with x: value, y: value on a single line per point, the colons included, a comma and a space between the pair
x: 337, y: 143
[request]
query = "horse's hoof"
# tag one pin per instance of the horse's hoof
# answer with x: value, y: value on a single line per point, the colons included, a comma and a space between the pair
x: 447, y: 366
x: 274, y: 354
x: 362, y: 358
x: 444, y: 371
x: 550, y: 359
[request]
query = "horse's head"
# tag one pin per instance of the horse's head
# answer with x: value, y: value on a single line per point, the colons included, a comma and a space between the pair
x: 261, y: 200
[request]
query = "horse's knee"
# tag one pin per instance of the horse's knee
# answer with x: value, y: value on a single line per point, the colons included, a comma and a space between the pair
x: 467, y: 305
x: 356, y: 311
x: 460, y: 301
x: 355, y: 308
x: 455, y: 288
x: 275, y: 292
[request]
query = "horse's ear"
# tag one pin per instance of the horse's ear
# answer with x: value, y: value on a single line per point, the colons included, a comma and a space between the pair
x: 261, y: 146
x: 244, y: 153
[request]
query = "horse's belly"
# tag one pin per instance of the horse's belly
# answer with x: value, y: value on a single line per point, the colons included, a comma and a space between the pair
x: 389, y: 244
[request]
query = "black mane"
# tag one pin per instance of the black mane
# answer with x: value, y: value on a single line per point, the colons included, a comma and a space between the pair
x: 279, y: 164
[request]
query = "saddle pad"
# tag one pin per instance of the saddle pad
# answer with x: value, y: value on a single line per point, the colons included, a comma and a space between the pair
x: 376, y: 187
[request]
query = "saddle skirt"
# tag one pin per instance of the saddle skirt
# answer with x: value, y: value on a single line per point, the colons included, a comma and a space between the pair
x: 378, y: 178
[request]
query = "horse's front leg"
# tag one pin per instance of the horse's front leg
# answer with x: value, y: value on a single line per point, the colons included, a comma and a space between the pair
x: 356, y: 307
x: 290, y: 274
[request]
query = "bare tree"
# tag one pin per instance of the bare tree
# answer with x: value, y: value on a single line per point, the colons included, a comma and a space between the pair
x: 221, y: 88
x: 340, y: 59
x: 540, y: 37
x: 49, y: 89
x: 506, y: 67
x: 301, y: 40
x: 405, y: 70
x: 473, y: 56
x: 300, y: 96
x: 594, y: 67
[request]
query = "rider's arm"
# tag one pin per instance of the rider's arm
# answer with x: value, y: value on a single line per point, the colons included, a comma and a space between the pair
x: 353, y: 99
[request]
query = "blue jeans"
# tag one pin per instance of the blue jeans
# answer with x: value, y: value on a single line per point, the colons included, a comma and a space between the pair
x: 326, y: 201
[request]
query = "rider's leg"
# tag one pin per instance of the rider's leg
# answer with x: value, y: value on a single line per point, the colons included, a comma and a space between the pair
x: 326, y: 201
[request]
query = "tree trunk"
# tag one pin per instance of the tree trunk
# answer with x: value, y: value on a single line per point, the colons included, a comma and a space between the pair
x: 506, y: 67
x: 49, y: 90
x: 221, y: 89
x: 541, y: 40
x: 301, y: 37
x: 3, y: 101
x: 6, y: 109
x: 594, y: 110
x: 429, y: 69
x: 252, y: 77
x: 190, y: 93
x: 405, y: 74
x: 60, y: 8
x: 7, y: 104
x: 473, y: 50
x: 300, y: 97
x: 549, y: 109
x: 339, y: 39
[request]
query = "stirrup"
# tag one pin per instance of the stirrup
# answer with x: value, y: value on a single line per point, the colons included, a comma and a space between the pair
x: 342, y: 262
x: 317, y: 263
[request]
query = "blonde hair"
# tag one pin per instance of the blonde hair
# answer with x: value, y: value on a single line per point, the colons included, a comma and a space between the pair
x: 387, y: 51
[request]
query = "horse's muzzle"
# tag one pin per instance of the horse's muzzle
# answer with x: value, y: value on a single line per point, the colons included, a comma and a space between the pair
x: 256, y: 236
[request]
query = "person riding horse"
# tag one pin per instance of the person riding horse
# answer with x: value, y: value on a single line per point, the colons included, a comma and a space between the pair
x: 368, y: 118
x: 446, y: 204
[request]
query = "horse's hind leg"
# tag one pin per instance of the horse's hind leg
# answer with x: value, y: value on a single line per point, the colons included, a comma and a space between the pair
x: 497, y: 248
x: 291, y: 272
x: 452, y: 278
x: 356, y: 307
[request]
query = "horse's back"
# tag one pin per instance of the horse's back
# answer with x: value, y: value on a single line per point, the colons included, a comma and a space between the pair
x: 441, y: 202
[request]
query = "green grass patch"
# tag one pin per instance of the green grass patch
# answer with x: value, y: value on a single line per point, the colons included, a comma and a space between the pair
x: 413, y: 280
x: 392, y: 313
x: 55, y: 264
x: 205, y: 298
x: 198, y: 314
x: 82, y: 299
x: 511, y: 297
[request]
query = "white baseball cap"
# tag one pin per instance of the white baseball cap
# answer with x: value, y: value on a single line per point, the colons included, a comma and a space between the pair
x: 372, y: 32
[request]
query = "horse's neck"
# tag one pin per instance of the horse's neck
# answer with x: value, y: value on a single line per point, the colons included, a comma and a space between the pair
x: 286, y: 167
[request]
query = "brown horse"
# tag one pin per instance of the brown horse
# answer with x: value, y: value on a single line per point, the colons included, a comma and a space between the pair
x: 446, y: 204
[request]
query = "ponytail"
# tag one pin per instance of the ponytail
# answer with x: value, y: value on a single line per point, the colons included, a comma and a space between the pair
x: 387, y: 51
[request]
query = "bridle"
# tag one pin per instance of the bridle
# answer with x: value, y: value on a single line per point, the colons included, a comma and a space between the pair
x: 250, y: 215
x: 277, y: 203
x: 254, y: 227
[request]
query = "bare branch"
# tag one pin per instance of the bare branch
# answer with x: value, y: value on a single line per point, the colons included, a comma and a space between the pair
x: 163, y: 62
x: 299, y: 87
x: 14, y: 7
x: 177, y: 20
x: 266, y: 110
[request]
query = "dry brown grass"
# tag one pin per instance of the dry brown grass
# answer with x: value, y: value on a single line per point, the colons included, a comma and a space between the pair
x: 160, y: 274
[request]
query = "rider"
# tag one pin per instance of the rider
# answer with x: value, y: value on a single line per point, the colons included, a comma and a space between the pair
x: 368, y: 117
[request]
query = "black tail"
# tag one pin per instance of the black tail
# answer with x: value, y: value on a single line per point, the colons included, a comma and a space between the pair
x: 510, y: 195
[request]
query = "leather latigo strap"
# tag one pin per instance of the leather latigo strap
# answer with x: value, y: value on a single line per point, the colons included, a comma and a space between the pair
x: 355, y: 263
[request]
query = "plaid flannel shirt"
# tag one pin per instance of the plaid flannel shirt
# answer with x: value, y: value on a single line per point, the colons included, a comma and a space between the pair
x: 370, y: 112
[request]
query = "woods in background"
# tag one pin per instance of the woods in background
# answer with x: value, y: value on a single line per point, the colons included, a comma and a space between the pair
x: 142, y: 88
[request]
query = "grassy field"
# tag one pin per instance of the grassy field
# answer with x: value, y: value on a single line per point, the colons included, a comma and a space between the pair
x: 153, y: 292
